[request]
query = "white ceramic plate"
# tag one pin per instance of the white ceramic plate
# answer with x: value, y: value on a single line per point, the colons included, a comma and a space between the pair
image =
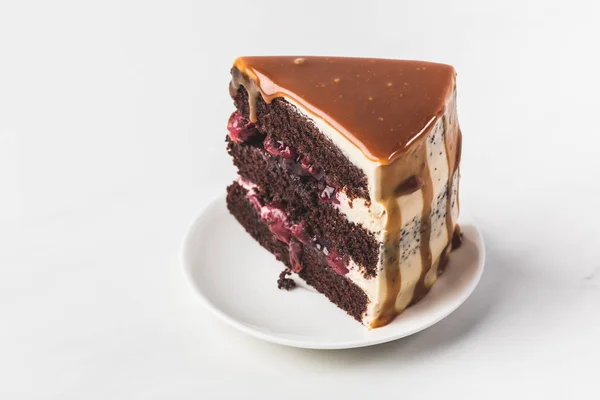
x: 236, y: 279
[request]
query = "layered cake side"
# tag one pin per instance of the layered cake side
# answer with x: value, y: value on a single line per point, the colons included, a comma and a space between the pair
x: 348, y: 174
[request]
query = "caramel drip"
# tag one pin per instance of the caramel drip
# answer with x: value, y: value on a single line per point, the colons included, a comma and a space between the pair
x: 411, y: 167
x: 391, y: 263
x: 457, y: 237
x: 457, y: 165
x: 450, y: 158
x: 425, y: 230
x: 251, y: 85
x: 453, y: 145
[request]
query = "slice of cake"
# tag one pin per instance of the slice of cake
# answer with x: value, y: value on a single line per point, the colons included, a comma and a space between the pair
x: 348, y: 173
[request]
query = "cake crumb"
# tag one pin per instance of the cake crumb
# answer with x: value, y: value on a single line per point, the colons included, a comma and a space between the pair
x: 299, y: 61
x: 285, y: 283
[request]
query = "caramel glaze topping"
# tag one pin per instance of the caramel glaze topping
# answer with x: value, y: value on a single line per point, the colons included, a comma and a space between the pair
x: 386, y: 108
x: 380, y: 105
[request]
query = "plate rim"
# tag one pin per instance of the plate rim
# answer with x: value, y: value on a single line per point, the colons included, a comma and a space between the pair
x: 219, y: 201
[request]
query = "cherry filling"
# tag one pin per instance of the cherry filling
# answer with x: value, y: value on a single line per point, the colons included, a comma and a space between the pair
x: 336, y: 262
x: 328, y: 193
x: 241, y: 130
x: 295, y: 251
x: 277, y: 221
x: 277, y: 148
x: 294, y: 235
x: 313, y: 170
x: 299, y: 233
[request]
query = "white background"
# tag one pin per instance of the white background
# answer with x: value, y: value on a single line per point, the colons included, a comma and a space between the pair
x: 112, y: 125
